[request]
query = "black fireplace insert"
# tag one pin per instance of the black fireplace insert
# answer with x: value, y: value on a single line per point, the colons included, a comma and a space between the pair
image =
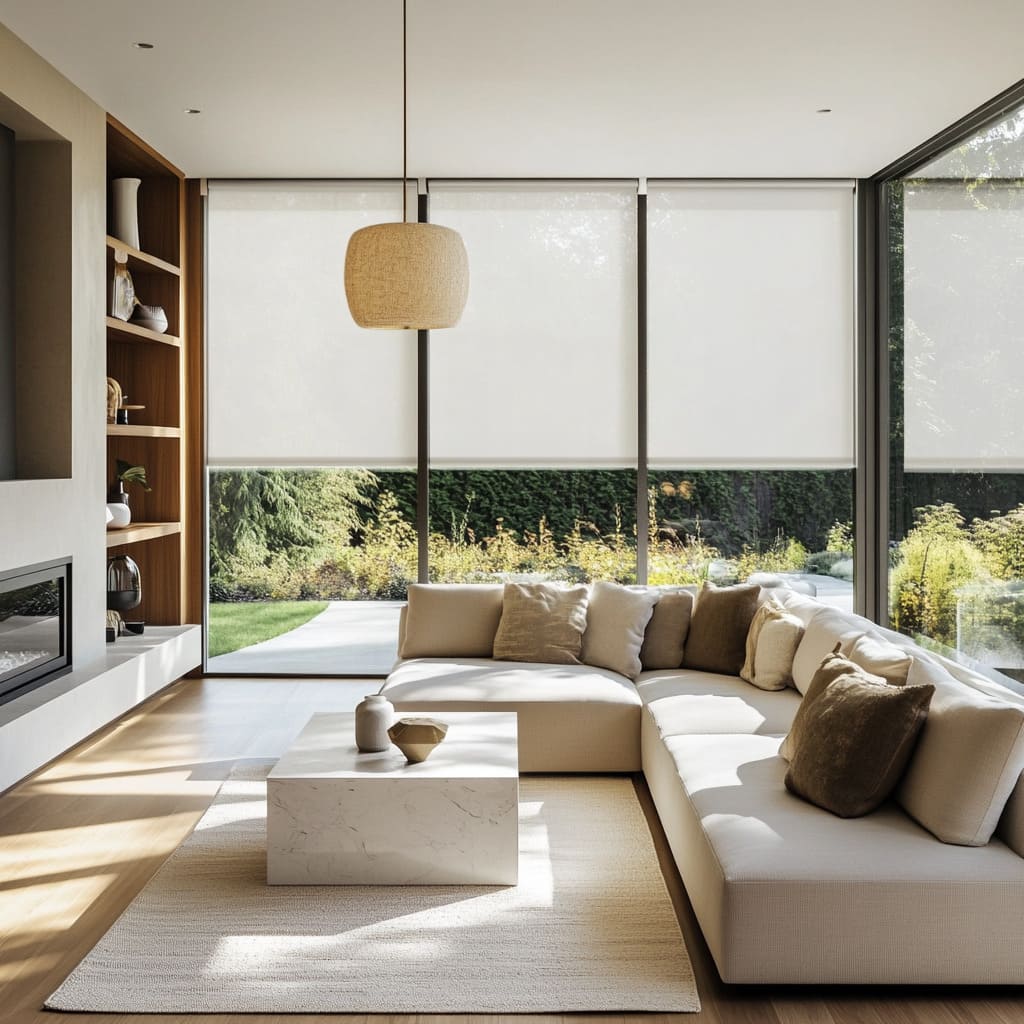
x: 35, y: 626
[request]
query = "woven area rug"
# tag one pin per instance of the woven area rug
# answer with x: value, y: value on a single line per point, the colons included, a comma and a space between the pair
x: 590, y: 927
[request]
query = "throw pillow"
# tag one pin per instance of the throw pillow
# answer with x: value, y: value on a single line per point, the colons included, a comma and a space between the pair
x: 771, y: 644
x: 857, y: 739
x: 717, y: 641
x: 455, y: 620
x: 616, y: 620
x: 542, y: 622
x: 826, y: 628
x: 666, y: 631
x: 878, y: 656
x: 831, y: 668
x: 969, y: 758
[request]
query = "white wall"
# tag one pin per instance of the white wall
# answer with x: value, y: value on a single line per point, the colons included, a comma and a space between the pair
x: 46, y: 519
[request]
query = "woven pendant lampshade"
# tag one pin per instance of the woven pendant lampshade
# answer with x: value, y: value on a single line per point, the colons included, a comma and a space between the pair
x: 406, y: 276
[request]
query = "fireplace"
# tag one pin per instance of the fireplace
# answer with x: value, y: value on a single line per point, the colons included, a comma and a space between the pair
x: 35, y: 626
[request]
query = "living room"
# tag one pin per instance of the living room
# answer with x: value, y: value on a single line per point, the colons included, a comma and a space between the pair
x: 741, y: 315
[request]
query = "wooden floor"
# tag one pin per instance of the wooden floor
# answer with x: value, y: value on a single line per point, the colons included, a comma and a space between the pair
x: 79, y: 840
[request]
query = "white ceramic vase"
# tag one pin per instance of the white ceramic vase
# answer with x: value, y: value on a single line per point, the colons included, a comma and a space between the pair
x: 374, y: 716
x: 119, y: 516
x: 125, y: 207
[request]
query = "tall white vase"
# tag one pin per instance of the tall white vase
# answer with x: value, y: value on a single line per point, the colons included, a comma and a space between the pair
x: 125, y: 201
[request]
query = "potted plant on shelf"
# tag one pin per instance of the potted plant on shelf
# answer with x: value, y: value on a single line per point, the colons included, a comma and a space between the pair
x: 118, y: 511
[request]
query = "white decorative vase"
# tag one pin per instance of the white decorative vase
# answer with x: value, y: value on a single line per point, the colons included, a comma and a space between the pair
x: 119, y: 515
x: 125, y: 207
x: 374, y: 716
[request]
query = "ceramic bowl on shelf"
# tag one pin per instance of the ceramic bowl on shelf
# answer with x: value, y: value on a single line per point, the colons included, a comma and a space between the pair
x: 152, y: 317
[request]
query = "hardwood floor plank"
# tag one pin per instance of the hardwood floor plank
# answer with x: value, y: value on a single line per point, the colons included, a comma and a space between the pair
x: 79, y: 839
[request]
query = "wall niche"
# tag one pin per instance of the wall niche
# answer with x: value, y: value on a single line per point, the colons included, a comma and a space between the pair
x: 35, y: 298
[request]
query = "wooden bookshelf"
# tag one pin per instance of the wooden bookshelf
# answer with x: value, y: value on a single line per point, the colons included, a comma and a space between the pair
x: 150, y: 367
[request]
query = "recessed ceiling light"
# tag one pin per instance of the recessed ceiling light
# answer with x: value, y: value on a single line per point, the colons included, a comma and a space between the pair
x: 143, y: 46
x: 824, y: 110
x: 192, y: 110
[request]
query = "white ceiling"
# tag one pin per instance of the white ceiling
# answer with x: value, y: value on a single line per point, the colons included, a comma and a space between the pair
x: 596, y: 88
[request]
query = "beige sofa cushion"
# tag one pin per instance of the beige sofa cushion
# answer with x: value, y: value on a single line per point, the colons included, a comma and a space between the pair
x: 666, y: 632
x: 771, y: 644
x: 856, y: 740
x: 876, y: 655
x: 456, y: 620
x: 617, y: 617
x: 826, y: 628
x: 969, y: 758
x: 717, y: 641
x: 572, y: 718
x: 542, y: 622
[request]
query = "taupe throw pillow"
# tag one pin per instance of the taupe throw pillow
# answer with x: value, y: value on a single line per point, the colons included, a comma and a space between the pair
x: 717, y: 641
x: 856, y: 740
x: 666, y: 632
x: 541, y: 622
x: 831, y: 668
x: 616, y: 620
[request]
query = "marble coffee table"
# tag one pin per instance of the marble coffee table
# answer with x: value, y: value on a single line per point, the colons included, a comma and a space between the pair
x: 339, y: 817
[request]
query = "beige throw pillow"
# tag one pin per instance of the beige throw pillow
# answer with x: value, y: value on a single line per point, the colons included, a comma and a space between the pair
x: 857, y: 737
x: 831, y: 668
x: 542, y: 622
x: 771, y: 644
x: 666, y: 632
x: 969, y: 758
x: 825, y: 629
x: 616, y: 620
x: 456, y: 620
x: 717, y: 641
x: 878, y: 656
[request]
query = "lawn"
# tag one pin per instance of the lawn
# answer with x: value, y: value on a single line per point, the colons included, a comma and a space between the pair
x: 234, y: 625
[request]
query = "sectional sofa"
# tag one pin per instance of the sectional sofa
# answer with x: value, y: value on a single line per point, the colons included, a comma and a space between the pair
x: 784, y: 891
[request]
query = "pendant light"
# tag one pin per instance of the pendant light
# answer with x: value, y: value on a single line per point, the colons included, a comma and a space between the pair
x: 408, y: 275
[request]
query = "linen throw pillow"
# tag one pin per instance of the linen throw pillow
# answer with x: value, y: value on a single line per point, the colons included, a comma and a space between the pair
x: 666, y: 632
x: 967, y: 761
x: 826, y: 628
x: 771, y: 644
x: 717, y: 641
x: 856, y: 739
x: 831, y: 668
x: 616, y: 620
x: 542, y: 622
x: 456, y: 620
x: 878, y: 656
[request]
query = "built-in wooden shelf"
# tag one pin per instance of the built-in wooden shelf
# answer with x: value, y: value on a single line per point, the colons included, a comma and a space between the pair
x: 121, y: 330
x: 140, y: 262
x: 137, y: 532
x: 141, y: 430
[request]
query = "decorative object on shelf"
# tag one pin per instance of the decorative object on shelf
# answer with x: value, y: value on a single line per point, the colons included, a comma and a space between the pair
x: 119, y: 515
x: 124, y: 587
x: 406, y: 275
x: 122, y: 292
x: 125, y: 210
x: 114, y: 399
x: 124, y: 408
x: 113, y: 625
x: 127, y: 474
x: 417, y: 737
x: 152, y: 317
x: 375, y: 714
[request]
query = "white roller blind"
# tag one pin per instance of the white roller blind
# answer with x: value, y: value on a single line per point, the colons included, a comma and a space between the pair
x: 751, y: 325
x: 541, y: 371
x: 291, y: 379
x: 964, y: 327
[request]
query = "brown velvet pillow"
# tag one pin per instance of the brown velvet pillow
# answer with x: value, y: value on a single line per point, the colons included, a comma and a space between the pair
x: 856, y: 740
x: 542, y: 622
x: 666, y: 631
x: 717, y: 641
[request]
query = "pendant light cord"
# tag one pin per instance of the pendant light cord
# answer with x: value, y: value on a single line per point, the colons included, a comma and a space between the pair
x: 405, y: 119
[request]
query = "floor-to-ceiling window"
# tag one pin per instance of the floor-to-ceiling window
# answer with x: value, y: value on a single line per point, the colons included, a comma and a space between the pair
x: 956, y: 367
x: 751, y: 383
x: 533, y: 396
x: 311, y: 434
